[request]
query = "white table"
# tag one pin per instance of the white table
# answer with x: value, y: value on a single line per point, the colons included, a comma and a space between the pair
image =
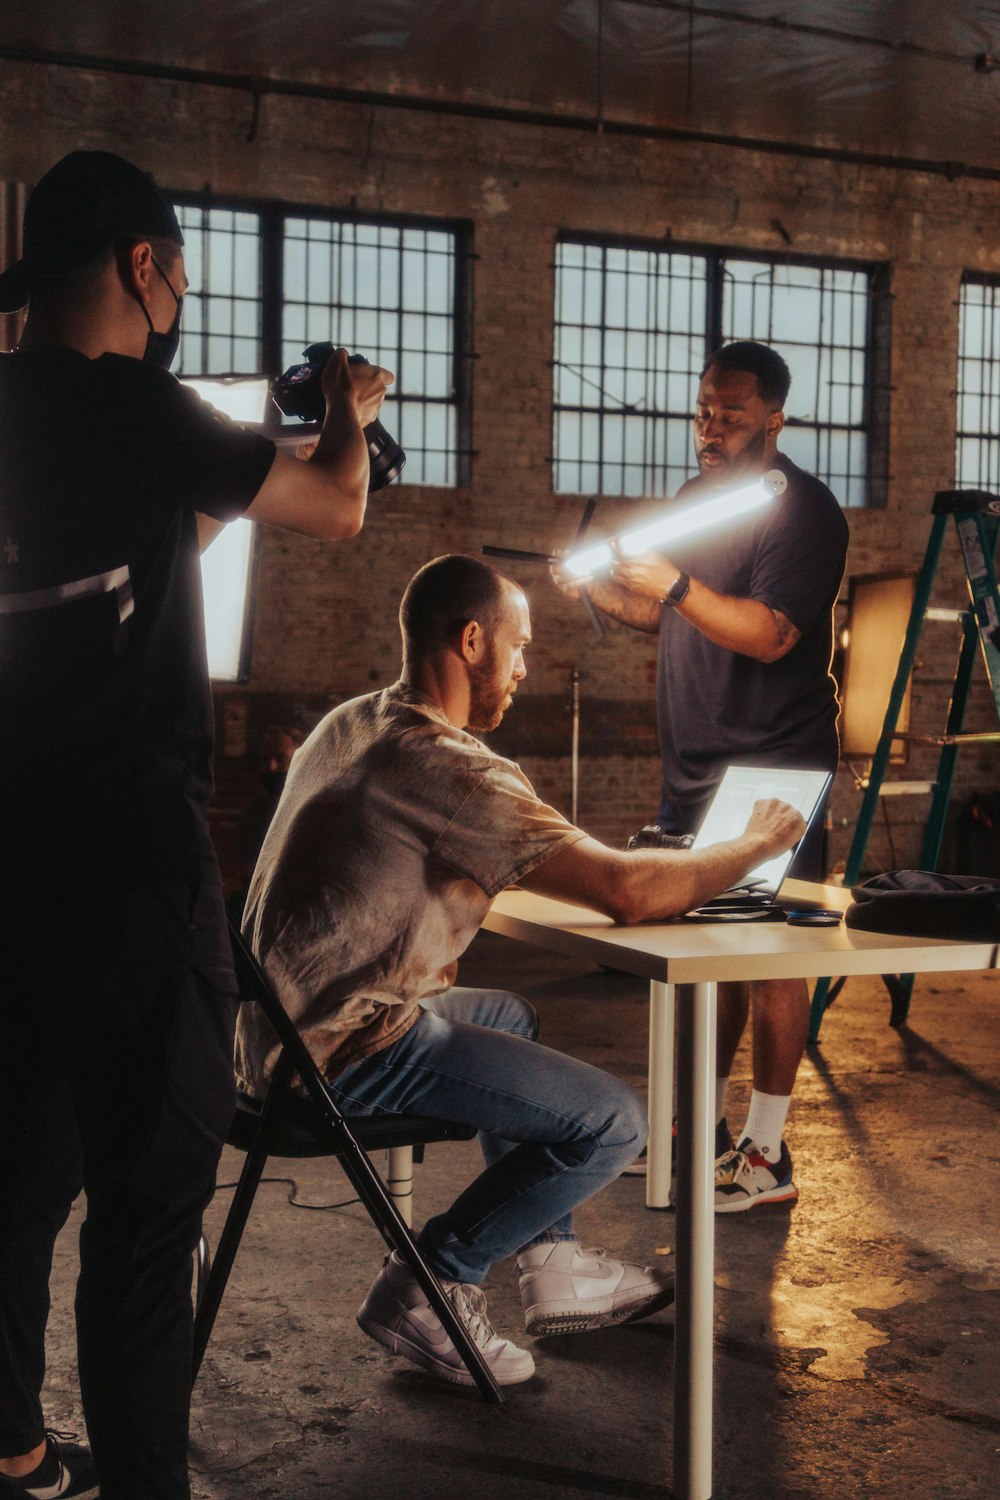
x: 684, y: 961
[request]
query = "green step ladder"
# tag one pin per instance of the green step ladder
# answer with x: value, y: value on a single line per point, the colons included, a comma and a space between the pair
x: 977, y: 522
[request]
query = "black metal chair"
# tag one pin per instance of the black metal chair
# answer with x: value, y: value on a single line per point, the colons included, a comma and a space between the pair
x: 286, y: 1124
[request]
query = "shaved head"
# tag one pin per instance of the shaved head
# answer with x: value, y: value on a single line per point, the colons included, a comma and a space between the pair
x: 445, y: 595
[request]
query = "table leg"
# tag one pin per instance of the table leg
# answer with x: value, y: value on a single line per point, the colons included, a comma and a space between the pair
x: 660, y: 1106
x: 696, y: 1027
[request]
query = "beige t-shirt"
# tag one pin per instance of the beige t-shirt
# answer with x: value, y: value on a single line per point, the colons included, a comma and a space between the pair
x: 394, y: 833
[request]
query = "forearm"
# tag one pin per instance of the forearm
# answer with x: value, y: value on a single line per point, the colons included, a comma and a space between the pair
x: 324, y: 495
x: 660, y: 883
x: 745, y: 626
x: 624, y: 606
x: 644, y: 885
x: 341, y: 456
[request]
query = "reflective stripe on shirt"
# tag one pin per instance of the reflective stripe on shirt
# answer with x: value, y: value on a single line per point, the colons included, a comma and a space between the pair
x: 118, y: 579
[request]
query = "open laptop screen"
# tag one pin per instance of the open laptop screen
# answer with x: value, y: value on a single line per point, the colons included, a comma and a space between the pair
x: 739, y: 789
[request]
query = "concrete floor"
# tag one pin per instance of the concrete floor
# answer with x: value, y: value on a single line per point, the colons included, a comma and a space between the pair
x: 857, y: 1335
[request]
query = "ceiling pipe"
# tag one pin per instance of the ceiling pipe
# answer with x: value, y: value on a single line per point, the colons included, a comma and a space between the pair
x: 256, y: 87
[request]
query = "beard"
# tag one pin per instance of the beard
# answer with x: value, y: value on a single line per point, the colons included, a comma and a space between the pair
x: 489, y: 699
x: 747, y: 458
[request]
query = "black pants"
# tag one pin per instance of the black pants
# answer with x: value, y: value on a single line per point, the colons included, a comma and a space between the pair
x: 115, y: 1075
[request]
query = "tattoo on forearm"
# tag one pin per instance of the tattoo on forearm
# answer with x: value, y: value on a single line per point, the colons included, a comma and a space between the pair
x: 788, y: 634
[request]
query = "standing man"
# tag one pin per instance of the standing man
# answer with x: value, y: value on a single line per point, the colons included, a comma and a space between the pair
x: 744, y: 615
x: 116, y: 1011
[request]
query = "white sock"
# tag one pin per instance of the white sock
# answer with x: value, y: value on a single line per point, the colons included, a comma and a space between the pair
x: 721, y: 1087
x: 766, y: 1122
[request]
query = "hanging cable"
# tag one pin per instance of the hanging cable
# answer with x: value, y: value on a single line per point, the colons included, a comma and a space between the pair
x: 294, y: 1200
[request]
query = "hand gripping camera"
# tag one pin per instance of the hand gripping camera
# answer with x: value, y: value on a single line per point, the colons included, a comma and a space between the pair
x: 299, y: 393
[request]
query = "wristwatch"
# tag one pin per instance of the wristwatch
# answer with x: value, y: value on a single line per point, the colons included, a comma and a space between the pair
x: 677, y: 592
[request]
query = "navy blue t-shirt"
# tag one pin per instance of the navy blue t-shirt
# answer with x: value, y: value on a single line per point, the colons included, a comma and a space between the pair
x: 716, y: 707
x: 106, y: 724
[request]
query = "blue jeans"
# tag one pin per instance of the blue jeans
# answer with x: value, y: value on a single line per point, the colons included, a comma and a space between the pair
x: 552, y: 1130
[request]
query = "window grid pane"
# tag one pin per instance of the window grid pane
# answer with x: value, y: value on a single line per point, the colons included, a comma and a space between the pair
x: 388, y: 292
x: 816, y: 317
x: 221, y: 327
x: 632, y: 331
x: 629, y: 343
x: 977, y: 457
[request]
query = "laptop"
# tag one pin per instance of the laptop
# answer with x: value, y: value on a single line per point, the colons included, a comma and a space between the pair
x: 727, y: 817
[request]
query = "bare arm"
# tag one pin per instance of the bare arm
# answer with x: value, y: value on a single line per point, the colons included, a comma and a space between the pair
x: 745, y: 626
x: 642, y: 885
x: 326, y: 495
x: 613, y: 599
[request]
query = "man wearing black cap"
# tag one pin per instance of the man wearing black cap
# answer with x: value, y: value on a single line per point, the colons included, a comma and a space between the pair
x: 115, y: 1022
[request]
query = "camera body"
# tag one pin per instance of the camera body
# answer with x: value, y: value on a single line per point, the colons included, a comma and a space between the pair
x: 299, y: 393
x: 653, y: 837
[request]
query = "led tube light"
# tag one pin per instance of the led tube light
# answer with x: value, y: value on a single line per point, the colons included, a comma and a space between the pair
x: 724, y: 507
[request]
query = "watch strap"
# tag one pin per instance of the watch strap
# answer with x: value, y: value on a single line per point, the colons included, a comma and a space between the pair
x: 677, y: 592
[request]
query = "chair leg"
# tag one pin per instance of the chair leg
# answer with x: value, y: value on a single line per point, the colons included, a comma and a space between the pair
x: 360, y: 1173
x: 372, y: 1191
x: 211, y: 1294
x: 399, y: 1181
x: 203, y: 1269
x: 222, y: 1265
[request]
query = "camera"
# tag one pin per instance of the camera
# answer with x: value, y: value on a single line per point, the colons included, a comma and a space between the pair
x: 299, y: 393
x: 653, y: 837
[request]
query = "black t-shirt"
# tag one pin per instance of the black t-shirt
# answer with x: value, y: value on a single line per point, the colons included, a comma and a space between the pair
x: 105, y: 707
x: 716, y: 707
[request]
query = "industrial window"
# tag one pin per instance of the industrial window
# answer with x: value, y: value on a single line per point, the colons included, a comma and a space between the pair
x: 634, y: 326
x: 386, y: 291
x: 977, y: 455
x: 223, y: 309
x: 220, y: 356
x: 266, y: 282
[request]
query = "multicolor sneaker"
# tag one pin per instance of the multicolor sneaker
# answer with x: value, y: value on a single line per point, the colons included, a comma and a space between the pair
x: 65, y: 1473
x: 745, y: 1178
x: 723, y: 1143
x: 566, y: 1289
x: 397, y: 1314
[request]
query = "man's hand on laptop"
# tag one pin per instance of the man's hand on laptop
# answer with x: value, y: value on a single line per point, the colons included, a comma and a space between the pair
x: 776, y: 824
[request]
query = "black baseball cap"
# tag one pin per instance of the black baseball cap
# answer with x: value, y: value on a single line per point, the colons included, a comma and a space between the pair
x: 85, y: 202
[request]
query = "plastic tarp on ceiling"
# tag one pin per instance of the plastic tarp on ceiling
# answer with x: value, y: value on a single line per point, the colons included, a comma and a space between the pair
x: 910, y: 78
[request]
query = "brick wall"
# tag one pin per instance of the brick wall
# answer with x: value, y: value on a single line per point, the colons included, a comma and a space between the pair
x: 325, y: 619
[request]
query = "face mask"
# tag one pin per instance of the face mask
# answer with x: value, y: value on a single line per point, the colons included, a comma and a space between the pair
x: 162, y: 347
x: 273, y: 782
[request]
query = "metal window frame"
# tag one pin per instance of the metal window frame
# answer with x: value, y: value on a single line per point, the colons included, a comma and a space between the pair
x: 981, y: 434
x: 273, y: 214
x: 206, y: 205
x: 249, y: 612
x: 875, y: 391
x: 822, y: 265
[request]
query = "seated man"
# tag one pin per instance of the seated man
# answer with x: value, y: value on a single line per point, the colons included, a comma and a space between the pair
x: 395, y: 830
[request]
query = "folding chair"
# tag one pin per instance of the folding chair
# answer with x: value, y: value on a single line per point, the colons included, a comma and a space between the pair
x: 286, y: 1124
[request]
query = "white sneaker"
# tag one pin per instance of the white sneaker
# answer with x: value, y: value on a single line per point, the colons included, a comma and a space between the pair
x: 566, y: 1289
x: 396, y: 1313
